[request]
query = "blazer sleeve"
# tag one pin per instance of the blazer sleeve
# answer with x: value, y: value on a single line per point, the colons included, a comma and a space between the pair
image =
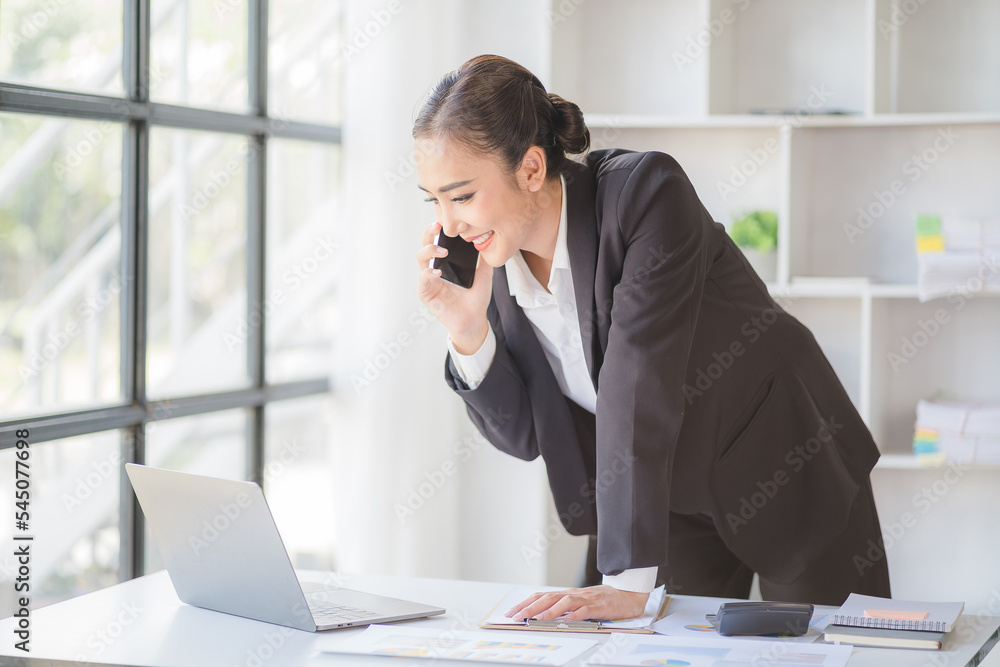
x: 499, y: 407
x: 654, y: 307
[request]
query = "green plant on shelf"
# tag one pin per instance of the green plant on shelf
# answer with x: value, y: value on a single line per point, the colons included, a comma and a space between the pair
x: 758, y: 230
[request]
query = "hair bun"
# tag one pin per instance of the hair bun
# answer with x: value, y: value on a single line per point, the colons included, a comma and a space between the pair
x: 570, y: 130
x: 492, y: 105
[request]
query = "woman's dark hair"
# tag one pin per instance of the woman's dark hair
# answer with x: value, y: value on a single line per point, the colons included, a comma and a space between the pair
x: 492, y: 104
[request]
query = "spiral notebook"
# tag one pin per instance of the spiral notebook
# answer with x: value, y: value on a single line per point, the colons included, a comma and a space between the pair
x: 866, y: 611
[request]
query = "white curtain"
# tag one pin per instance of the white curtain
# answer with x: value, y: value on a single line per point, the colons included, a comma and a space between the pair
x: 417, y: 491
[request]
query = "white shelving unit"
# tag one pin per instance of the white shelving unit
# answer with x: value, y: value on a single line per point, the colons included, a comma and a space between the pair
x: 914, y: 87
x: 685, y: 76
x: 917, y: 85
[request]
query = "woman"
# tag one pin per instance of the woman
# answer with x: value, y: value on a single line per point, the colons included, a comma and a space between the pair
x: 614, y: 329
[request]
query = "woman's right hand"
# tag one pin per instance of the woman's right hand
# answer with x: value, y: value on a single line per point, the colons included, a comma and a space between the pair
x: 461, y: 311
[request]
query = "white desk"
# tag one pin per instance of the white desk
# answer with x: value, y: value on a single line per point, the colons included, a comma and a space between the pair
x: 141, y: 622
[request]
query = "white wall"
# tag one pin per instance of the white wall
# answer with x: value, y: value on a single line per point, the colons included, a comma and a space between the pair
x: 406, y: 432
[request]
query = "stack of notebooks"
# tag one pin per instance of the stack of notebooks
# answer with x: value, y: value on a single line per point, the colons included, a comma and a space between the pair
x: 957, y: 256
x: 957, y: 433
x: 864, y: 620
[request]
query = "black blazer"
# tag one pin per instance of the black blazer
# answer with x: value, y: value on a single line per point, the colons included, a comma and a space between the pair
x: 710, y: 398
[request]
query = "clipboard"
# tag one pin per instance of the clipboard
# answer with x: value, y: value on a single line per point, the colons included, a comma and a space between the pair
x: 556, y: 625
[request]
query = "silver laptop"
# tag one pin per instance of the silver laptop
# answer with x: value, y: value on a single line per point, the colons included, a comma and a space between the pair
x: 223, y: 552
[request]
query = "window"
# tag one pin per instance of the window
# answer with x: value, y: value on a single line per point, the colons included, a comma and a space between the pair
x: 67, y: 45
x: 61, y: 263
x: 168, y: 227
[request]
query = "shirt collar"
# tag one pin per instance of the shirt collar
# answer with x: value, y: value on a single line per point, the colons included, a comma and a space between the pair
x: 560, y: 259
x: 523, y: 285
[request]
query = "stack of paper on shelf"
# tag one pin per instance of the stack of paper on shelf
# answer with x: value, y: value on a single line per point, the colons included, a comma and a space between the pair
x: 957, y: 432
x: 957, y: 256
x: 864, y: 620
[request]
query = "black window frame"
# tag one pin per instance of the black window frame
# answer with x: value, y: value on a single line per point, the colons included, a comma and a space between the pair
x: 138, y: 115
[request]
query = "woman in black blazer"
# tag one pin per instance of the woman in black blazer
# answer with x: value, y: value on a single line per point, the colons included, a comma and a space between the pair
x: 686, y: 421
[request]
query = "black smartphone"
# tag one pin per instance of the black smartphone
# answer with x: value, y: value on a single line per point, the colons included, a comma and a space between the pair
x: 459, y: 266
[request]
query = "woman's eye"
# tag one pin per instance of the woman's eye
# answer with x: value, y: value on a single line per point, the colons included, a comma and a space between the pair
x: 431, y: 200
x: 463, y: 198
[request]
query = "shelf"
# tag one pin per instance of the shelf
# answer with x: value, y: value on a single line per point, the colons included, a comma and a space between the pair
x: 662, y: 122
x: 834, y: 288
x: 910, y: 462
x: 740, y: 121
x: 831, y: 287
x: 886, y: 291
x: 913, y: 292
x: 902, y: 462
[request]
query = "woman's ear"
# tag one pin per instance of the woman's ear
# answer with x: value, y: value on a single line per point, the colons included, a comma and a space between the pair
x: 531, y: 173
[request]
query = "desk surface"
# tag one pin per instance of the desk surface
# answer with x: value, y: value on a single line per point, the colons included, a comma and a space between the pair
x: 141, y: 622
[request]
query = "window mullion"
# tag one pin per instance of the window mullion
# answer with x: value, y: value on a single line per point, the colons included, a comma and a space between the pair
x: 256, y: 241
x: 135, y: 222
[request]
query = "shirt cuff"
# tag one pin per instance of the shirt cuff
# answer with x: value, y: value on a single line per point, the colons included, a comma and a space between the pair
x: 472, y: 368
x: 637, y: 580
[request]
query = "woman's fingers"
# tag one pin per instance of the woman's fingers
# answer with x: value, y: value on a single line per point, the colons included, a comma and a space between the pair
x: 567, y: 604
x: 430, y: 250
x: 539, y: 607
x: 461, y: 311
x: 517, y: 610
x: 430, y: 231
x: 597, y: 602
x: 539, y: 603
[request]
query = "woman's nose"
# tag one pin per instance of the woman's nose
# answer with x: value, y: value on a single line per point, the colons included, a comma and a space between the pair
x: 450, y: 225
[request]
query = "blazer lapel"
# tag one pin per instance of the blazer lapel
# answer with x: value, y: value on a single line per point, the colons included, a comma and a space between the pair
x: 581, y: 239
x: 553, y: 420
x: 520, y: 335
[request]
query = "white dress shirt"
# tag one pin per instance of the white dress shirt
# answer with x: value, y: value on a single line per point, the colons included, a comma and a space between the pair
x: 552, y: 314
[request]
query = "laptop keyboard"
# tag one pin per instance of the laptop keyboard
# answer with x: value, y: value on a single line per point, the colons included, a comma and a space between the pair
x: 326, y: 612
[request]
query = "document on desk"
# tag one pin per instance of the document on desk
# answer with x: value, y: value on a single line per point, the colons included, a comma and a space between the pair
x: 656, y: 606
x: 404, y: 642
x: 637, y: 650
x: 687, y: 619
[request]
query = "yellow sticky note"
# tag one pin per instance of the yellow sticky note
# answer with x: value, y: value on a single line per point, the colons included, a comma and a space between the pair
x: 896, y: 614
x: 930, y: 244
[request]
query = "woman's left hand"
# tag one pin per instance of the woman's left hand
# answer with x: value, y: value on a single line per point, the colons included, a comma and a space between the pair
x: 604, y: 603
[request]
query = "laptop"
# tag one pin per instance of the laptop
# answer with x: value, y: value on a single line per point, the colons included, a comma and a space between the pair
x: 223, y: 552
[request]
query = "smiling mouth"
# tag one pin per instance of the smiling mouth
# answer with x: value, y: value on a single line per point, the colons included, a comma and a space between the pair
x: 482, y: 239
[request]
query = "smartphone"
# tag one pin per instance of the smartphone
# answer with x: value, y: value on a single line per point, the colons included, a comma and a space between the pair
x: 459, y: 266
